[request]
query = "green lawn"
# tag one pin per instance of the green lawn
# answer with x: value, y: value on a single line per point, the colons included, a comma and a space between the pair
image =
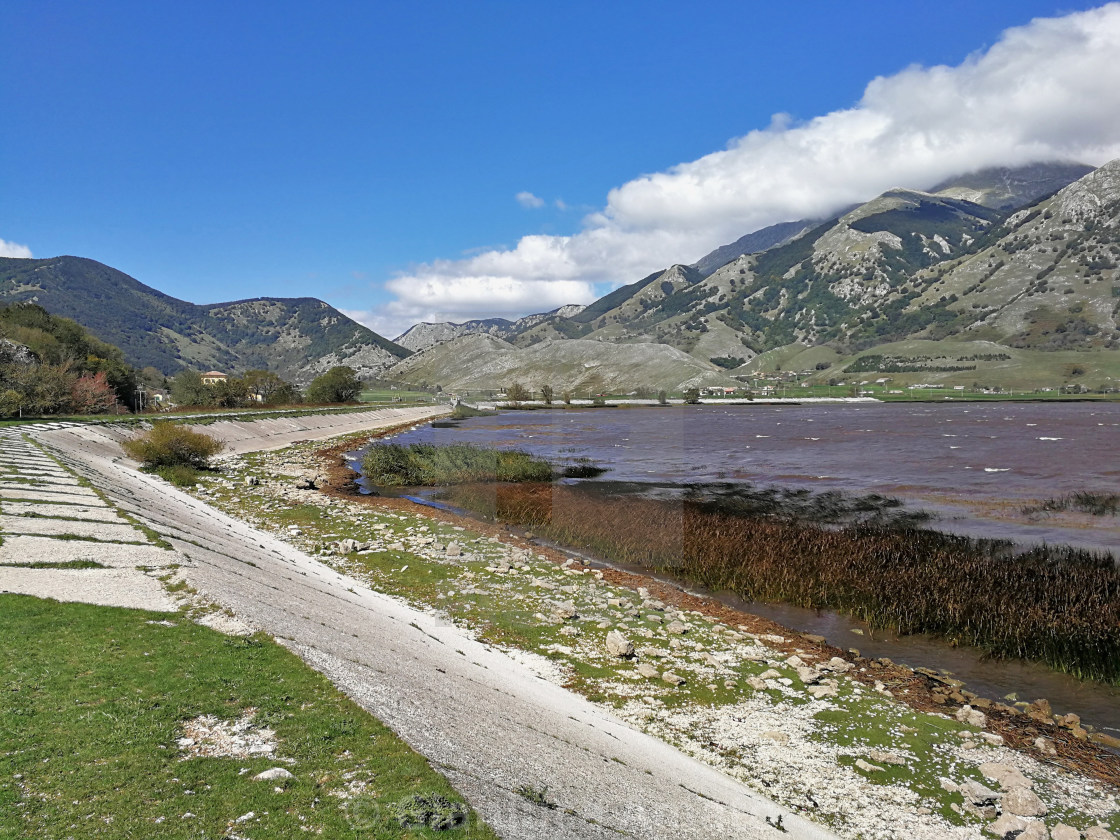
x: 92, y: 704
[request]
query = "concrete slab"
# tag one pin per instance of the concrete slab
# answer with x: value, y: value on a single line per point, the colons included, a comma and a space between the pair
x: 58, y: 527
x: 90, y: 513
x: 27, y: 550
x: 70, y: 497
x: 107, y: 587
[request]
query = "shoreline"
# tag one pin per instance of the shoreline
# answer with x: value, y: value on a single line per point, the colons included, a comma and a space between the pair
x: 922, y: 689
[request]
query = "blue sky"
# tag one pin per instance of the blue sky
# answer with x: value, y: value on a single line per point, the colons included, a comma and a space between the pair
x: 372, y: 154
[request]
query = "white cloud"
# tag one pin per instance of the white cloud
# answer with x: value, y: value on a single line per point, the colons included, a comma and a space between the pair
x: 1049, y: 90
x: 527, y: 199
x: 13, y: 249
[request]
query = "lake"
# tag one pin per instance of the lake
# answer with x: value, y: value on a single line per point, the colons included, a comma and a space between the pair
x: 975, y: 465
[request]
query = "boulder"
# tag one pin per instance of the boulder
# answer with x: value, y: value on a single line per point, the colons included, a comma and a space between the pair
x: 454, y: 549
x: 1064, y: 832
x: 971, y: 716
x: 1045, y: 746
x: 275, y: 774
x: 867, y: 767
x: 676, y: 628
x: 1007, y: 824
x: 565, y: 611
x: 647, y: 671
x: 619, y: 645
x: 1006, y: 776
x: 1035, y: 831
x: 883, y: 757
x: 1024, y: 802
x: 672, y: 679
x: 977, y: 794
x: 1099, y: 832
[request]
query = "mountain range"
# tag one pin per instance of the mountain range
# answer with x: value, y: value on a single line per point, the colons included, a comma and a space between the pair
x: 1010, y: 265
x: 1022, y: 259
x: 297, y: 338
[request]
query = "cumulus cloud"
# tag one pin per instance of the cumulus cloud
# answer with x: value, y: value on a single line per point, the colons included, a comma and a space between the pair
x: 1049, y: 90
x: 13, y: 249
x: 527, y: 199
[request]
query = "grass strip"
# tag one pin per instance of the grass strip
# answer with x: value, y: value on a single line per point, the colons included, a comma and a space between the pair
x: 95, y: 699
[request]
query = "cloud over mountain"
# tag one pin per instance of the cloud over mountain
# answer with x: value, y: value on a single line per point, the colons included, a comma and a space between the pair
x: 14, y: 249
x: 1049, y: 90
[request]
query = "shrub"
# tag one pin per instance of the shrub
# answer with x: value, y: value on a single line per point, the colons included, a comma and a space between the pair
x: 338, y: 385
x: 171, y: 445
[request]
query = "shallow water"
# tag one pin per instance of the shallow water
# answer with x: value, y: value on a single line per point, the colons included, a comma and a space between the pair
x: 973, y: 464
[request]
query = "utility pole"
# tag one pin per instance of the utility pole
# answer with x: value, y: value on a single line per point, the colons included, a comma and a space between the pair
x: 140, y: 391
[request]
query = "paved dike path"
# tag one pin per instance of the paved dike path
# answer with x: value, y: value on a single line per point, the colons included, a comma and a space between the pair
x: 485, y: 720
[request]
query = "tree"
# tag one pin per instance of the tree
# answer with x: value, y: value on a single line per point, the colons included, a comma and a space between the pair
x: 692, y: 396
x: 662, y: 398
x: 230, y: 393
x: 339, y: 384
x: 92, y: 394
x: 187, y: 388
x: 546, y: 394
x: 517, y: 393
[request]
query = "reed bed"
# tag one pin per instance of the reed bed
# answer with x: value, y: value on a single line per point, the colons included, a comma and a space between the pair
x: 1083, y: 501
x: 424, y: 465
x: 1053, y: 604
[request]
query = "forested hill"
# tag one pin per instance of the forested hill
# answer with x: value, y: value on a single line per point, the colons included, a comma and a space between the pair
x: 296, y: 338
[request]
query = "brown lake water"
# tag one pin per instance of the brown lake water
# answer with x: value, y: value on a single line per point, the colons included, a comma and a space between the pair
x: 974, y: 465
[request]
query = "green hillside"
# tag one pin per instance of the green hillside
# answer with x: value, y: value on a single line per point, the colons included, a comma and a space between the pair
x: 293, y: 337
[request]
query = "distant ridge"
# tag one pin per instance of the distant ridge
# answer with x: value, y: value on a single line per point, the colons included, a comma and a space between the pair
x: 296, y: 338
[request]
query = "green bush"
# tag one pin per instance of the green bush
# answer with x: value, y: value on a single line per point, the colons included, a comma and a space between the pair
x: 170, y: 445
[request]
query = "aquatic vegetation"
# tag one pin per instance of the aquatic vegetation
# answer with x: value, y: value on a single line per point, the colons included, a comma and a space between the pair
x: 421, y: 464
x: 1082, y: 501
x: 1054, y: 604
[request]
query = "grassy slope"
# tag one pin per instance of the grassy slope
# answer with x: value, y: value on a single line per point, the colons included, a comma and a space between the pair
x: 90, y: 712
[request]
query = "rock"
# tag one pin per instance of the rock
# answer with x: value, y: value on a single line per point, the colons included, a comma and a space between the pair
x: 883, y: 757
x: 1064, y: 832
x: 971, y: 716
x: 565, y: 611
x: 868, y: 768
x: 776, y: 737
x: 1006, y: 776
x: 1007, y: 824
x: 454, y: 549
x: 1043, y: 706
x: 272, y: 775
x: 619, y: 645
x: 977, y: 794
x: 647, y: 670
x: 252, y: 481
x: 672, y: 679
x: 795, y: 661
x: 949, y: 785
x: 769, y: 674
x: 819, y: 692
x: 1105, y: 740
x: 1035, y: 831
x: 1045, y: 746
x: 348, y: 546
x: 756, y: 683
x: 305, y: 484
x: 838, y: 665
x: 1099, y: 832
x: 676, y: 628
x: 656, y: 619
x: 1024, y: 802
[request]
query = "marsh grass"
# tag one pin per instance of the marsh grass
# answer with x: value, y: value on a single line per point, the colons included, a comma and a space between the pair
x: 1082, y: 501
x: 1054, y: 604
x: 92, y: 703
x: 424, y: 465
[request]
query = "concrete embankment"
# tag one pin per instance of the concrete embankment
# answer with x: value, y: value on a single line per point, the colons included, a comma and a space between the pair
x: 495, y: 728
